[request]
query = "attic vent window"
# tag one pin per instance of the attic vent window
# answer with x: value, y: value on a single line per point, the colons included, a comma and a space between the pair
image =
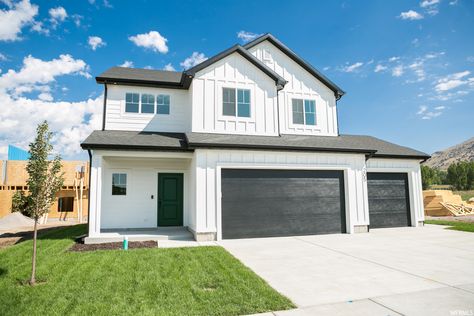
x: 266, y: 55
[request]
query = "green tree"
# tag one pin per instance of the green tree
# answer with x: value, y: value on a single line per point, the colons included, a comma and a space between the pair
x: 45, y: 179
x: 20, y: 202
x: 428, y: 176
x: 458, y: 175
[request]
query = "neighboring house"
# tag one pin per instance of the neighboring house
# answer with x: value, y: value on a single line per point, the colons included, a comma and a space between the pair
x: 69, y: 205
x: 245, y: 144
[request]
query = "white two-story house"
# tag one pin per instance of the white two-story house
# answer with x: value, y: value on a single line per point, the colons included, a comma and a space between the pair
x: 245, y: 144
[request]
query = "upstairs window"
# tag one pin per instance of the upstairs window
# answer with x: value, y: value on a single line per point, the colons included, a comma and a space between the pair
x: 304, y: 112
x: 132, y: 102
x: 119, y: 184
x: 243, y: 103
x: 232, y: 106
x: 148, y: 103
x: 163, y: 104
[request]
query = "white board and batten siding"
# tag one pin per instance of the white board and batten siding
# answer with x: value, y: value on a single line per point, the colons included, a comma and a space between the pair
x: 412, y: 168
x: 137, y: 209
x: 206, y: 203
x: 178, y: 120
x: 233, y: 71
x: 301, y: 85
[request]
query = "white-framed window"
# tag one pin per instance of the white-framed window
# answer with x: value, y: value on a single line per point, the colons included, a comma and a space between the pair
x: 132, y: 102
x: 304, y: 111
x: 236, y: 102
x: 148, y: 103
x: 163, y: 104
x: 145, y: 103
x: 119, y: 184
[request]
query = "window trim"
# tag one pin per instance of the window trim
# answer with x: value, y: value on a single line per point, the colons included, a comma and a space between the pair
x: 236, y: 104
x: 140, y: 113
x: 127, y: 181
x: 312, y: 126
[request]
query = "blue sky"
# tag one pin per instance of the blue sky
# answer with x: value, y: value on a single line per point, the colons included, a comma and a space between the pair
x: 407, y: 66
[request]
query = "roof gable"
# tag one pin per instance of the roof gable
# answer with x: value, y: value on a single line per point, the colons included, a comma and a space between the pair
x: 279, y: 81
x: 338, y: 92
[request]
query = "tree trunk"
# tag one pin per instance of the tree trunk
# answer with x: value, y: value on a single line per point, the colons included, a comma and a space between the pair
x: 33, y: 264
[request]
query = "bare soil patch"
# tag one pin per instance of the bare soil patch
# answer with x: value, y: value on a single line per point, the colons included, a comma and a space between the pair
x: 113, y: 246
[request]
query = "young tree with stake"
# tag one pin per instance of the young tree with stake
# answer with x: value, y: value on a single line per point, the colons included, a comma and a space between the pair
x: 44, y: 181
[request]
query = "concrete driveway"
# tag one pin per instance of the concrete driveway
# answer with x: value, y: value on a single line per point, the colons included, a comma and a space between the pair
x: 407, y: 271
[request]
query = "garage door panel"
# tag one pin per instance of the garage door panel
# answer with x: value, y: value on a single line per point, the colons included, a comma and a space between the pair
x: 266, y: 203
x: 388, y: 200
x: 258, y: 188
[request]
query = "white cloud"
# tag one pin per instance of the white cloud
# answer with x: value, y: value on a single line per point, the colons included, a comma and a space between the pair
x: 3, y: 57
x: 380, y: 68
x: 417, y: 68
x: 454, y: 2
x: 397, y: 71
x: 151, y: 40
x: 77, y: 19
x: 430, y: 6
x: 57, y: 15
x: 39, y: 28
x: 169, y: 67
x: 96, y: 42
x: 45, y: 96
x: 452, y: 81
x: 410, y: 15
x: 394, y: 58
x: 36, y: 74
x: 426, y: 114
x: 15, y: 18
x: 247, y: 36
x: 70, y: 122
x: 353, y: 67
x: 127, y: 64
x: 428, y: 3
x: 193, y: 60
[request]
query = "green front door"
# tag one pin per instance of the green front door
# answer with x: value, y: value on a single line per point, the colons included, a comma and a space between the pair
x: 170, y: 199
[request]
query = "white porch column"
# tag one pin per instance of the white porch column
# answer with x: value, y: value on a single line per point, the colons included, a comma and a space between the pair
x: 95, y: 196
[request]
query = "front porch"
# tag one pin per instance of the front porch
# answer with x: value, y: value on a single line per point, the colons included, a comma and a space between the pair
x: 141, y: 195
x: 144, y: 234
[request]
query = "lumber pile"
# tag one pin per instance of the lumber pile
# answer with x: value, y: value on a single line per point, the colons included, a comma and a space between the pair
x: 445, y: 203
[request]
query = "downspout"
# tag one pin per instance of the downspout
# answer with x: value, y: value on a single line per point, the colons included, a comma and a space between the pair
x: 278, y: 87
x: 278, y: 114
x: 105, y: 102
x: 338, y: 96
x: 89, y: 195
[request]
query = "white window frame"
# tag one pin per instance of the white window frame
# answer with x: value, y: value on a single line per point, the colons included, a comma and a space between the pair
x: 303, y: 98
x: 156, y: 104
x: 236, y: 117
x: 127, y: 183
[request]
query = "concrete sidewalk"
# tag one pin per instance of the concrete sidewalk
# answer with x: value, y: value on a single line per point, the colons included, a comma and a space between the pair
x: 407, y: 271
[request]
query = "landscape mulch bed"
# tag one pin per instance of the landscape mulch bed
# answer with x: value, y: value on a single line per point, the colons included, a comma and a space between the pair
x: 113, y: 246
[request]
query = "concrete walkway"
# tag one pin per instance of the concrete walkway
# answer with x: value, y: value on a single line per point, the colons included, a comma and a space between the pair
x: 401, y: 271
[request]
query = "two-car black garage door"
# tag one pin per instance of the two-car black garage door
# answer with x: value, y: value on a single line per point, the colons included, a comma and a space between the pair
x: 389, y: 204
x: 266, y: 203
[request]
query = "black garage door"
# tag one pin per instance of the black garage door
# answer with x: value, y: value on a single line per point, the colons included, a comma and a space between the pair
x: 266, y: 203
x: 389, y: 204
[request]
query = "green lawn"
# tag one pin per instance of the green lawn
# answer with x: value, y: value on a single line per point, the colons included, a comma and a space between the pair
x: 179, y: 281
x: 454, y: 225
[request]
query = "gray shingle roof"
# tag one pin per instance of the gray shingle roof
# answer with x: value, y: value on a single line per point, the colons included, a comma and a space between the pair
x: 134, y: 140
x: 190, y: 141
x: 143, y: 77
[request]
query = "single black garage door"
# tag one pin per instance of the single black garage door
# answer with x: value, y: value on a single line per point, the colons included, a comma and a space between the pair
x: 266, y: 203
x: 389, y: 204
